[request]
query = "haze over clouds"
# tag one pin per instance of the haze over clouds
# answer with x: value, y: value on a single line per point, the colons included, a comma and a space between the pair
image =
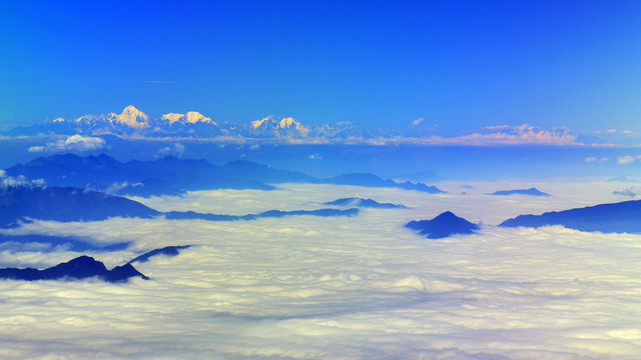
x: 360, y: 287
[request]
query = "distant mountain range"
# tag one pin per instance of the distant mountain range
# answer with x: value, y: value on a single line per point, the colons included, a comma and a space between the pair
x: 622, y: 217
x: 370, y: 180
x: 82, y: 267
x: 444, y: 225
x: 173, y: 176
x: 133, y: 122
x: 367, y: 203
x: 20, y: 204
x: 530, y: 191
x: 190, y: 215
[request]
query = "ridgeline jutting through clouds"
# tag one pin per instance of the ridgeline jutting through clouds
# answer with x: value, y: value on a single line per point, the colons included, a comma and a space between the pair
x: 320, y: 180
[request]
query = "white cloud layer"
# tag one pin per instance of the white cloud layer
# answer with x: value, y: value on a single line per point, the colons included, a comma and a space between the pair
x: 71, y: 143
x: 362, y: 287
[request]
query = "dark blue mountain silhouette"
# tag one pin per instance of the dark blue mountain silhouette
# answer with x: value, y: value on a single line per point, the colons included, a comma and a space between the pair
x: 73, y: 171
x: 192, y: 215
x: 82, y: 267
x: 368, y: 203
x: 22, y: 203
x: 250, y: 170
x: 45, y: 243
x: 530, y: 191
x: 319, y: 212
x: 622, y: 217
x: 64, y: 204
x: 166, y: 176
x: 186, y: 215
x: 444, y: 225
x: 167, y: 250
x: 173, y: 176
x: 370, y: 180
x: 190, y: 174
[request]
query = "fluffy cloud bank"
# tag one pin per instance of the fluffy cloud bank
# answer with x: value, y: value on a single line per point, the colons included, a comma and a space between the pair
x: 335, y: 288
x: 9, y: 181
x: 71, y: 143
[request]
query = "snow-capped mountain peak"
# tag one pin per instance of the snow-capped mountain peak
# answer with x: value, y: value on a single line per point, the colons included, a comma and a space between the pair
x: 288, y: 122
x: 194, y: 117
x: 172, y: 117
x: 286, y: 126
x: 130, y: 116
x: 192, y: 124
x: 191, y: 117
x: 256, y: 124
x: 271, y: 122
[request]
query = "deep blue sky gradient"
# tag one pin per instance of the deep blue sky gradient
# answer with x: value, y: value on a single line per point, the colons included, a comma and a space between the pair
x: 458, y: 64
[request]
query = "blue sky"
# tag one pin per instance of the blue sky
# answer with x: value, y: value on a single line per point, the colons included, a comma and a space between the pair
x: 459, y: 64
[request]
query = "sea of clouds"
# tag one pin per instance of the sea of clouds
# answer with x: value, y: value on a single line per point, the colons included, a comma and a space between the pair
x: 361, y: 287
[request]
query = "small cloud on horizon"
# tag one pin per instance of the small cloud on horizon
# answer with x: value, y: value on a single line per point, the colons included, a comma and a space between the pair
x: 177, y: 150
x: 631, y: 191
x: 72, y: 143
x: 625, y: 160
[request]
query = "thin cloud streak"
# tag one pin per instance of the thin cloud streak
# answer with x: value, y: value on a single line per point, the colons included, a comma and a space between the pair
x: 159, y: 82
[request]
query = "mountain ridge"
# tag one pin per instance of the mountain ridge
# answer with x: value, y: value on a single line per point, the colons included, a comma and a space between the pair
x: 531, y: 191
x: 442, y: 226
x: 607, y: 218
x: 173, y: 176
x: 82, y: 267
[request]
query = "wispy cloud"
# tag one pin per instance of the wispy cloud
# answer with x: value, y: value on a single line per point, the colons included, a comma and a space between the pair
x: 625, y: 160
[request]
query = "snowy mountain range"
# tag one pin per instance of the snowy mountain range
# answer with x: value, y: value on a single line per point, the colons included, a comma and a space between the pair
x: 133, y: 122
